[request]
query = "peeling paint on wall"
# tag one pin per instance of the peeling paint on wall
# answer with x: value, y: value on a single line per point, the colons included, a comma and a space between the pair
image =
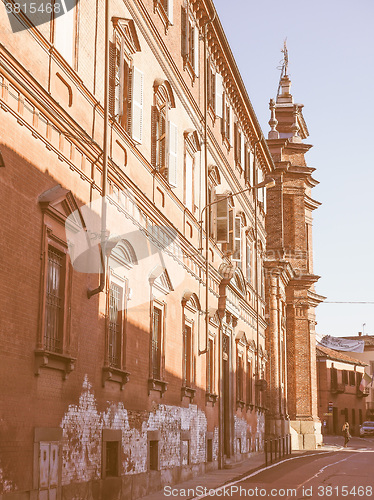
x: 6, y: 486
x: 82, y: 434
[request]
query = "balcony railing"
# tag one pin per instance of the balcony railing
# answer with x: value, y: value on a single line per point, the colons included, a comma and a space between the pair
x: 338, y: 388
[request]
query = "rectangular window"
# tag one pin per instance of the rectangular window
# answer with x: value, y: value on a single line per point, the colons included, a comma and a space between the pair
x: 334, y: 378
x: 54, y: 304
x: 345, y: 377
x: 210, y: 367
x: 352, y: 378
x: 239, y: 377
x: 248, y: 165
x: 249, y: 262
x: 115, y: 325
x: 211, y: 76
x: 222, y: 219
x: 190, y: 42
x: 237, y: 242
x: 227, y: 120
x: 189, y: 184
x: 219, y: 96
x: 156, y: 343
x: 249, y: 383
x: 188, y: 366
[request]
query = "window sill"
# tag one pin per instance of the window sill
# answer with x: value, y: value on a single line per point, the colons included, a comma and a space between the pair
x: 211, y: 398
x: 54, y: 360
x: 188, y: 392
x: 115, y: 375
x: 157, y: 385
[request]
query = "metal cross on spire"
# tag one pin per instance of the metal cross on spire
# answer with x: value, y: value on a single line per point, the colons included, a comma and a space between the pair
x: 285, y: 58
x: 283, y: 64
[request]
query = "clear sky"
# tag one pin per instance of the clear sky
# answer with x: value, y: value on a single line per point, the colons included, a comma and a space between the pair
x: 331, y: 66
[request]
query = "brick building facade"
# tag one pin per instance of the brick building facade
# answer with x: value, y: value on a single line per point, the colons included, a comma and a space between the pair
x: 366, y: 357
x: 291, y: 298
x: 132, y: 338
x: 339, y: 396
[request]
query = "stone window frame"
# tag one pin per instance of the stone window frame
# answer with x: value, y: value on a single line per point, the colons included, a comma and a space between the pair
x: 122, y: 257
x: 56, y: 205
x: 190, y: 315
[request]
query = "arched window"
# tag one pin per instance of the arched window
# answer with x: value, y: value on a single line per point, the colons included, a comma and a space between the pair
x: 164, y: 133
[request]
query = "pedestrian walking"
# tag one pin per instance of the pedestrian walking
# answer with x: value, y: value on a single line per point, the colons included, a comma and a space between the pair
x: 346, y: 434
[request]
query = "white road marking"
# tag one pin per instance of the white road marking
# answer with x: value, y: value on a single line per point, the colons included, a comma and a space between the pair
x: 262, y: 470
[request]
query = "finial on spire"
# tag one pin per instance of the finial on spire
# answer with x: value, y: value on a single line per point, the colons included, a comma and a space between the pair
x: 285, y: 58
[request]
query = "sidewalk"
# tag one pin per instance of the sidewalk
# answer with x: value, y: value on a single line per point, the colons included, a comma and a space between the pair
x: 216, y: 478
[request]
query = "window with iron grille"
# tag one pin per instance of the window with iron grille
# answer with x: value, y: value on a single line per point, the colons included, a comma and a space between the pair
x: 156, y: 343
x: 54, y: 304
x: 115, y: 325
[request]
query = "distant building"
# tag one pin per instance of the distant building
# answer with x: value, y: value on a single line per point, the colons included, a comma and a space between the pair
x: 339, y: 396
x: 367, y: 357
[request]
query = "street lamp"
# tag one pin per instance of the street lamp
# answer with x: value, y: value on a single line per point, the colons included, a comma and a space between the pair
x: 226, y: 272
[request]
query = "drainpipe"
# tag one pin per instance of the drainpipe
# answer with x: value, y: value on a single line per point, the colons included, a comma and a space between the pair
x: 256, y: 278
x: 207, y: 213
x: 101, y: 286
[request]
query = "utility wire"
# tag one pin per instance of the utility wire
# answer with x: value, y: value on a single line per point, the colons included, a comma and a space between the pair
x: 338, y: 302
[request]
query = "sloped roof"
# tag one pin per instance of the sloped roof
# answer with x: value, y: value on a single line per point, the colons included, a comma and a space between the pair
x: 325, y: 352
x: 368, y: 339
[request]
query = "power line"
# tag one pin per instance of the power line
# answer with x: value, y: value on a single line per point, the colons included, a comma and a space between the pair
x: 341, y: 302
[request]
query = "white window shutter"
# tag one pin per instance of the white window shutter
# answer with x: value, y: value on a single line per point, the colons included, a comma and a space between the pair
x: 251, y: 168
x: 219, y: 96
x: 189, y: 182
x: 242, y: 150
x: 231, y: 125
x: 64, y: 35
x: 260, y: 178
x: 137, y: 105
x: 196, y: 53
x: 173, y: 154
x: 170, y: 10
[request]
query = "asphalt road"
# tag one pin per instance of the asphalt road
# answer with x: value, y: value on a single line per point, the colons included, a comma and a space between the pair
x: 337, y: 474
